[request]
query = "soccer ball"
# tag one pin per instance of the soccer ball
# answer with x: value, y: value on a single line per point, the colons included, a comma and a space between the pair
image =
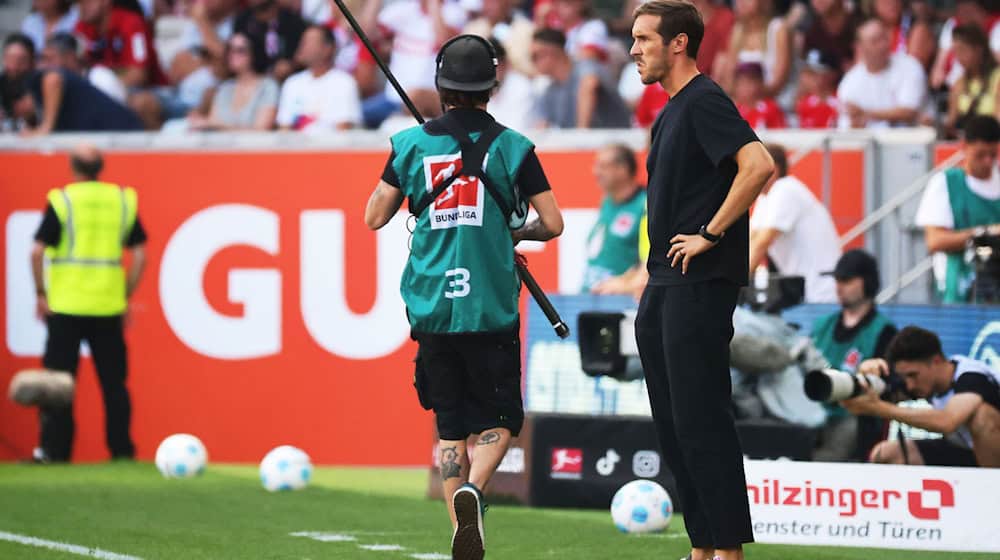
x: 181, y: 456
x: 285, y: 468
x: 641, y: 506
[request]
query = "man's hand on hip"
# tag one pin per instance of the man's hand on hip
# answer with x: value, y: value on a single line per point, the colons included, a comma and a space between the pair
x: 42, y: 307
x: 683, y: 248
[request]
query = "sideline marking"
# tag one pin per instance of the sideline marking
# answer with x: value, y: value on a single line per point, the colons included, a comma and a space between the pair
x: 65, y: 547
x: 381, y: 547
x: 430, y: 556
x: 324, y: 537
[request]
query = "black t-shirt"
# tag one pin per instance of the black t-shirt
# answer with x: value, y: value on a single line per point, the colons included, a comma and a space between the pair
x: 841, y: 333
x: 531, y: 178
x: 691, y: 169
x: 50, y: 230
x: 84, y: 108
x: 981, y: 384
x: 279, y: 37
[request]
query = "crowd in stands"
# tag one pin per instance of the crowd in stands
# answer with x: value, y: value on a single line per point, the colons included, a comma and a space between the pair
x: 188, y: 65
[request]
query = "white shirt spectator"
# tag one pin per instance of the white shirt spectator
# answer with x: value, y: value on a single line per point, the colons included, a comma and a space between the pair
x: 33, y: 26
x: 902, y: 84
x: 513, y: 105
x: 808, y: 245
x: 319, y: 104
x: 191, y: 37
x: 935, y: 209
x: 414, y: 45
x: 104, y: 79
x: 591, y: 34
x: 630, y: 85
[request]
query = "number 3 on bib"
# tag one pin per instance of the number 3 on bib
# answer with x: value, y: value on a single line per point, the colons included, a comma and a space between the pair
x: 458, y: 283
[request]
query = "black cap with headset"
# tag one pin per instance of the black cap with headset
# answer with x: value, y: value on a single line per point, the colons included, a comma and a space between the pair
x: 466, y: 63
x: 858, y: 263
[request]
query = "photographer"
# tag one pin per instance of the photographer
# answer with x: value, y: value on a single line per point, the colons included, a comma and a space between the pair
x: 964, y: 394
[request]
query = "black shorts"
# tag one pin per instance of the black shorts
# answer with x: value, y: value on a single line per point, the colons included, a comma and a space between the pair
x: 943, y: 453
x: 472, y: 382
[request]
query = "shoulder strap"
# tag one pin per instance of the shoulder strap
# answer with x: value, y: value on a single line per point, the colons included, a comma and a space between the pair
x: 473, y: 154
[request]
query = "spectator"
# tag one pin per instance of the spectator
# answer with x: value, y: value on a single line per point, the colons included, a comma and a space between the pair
x: 204, y: 37
x: 960, y: 203
x: 613, y: 242
x: 758, y: 36
x: 817, y: 106
x: 794, y: 231
x: 275, y: 27
x: 513, y: 103
x: 63, y: 101
x: 18, y: 55
x: 748, y: 95
x: 319, y: 98
x: 352, y: 56
x: 501, y: 19
x: 832, y: 33
x: 856, y: 332
x: 719, y: 22
x: 120, y: 40
x: 417, y: 29
x: 62, y: 50
x: 48, y: 17
x: 654, y: 99
x: 975, y: 93
x: 580, y: 94
x: 909, y: 35
x: 965, y: 401
x: 586, y: 36
x: 947, y: 70
x: 883, y: 89
x: 249, y: 99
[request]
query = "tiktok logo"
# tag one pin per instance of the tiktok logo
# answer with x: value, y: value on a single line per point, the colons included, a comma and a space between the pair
x: 606, y: 464
x: 927, y: 504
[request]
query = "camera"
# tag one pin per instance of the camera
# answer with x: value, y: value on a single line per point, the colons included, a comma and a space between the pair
x: 607, y: 344
x: 772, y: 293
x: 832, y: 385
x: 985, y: 250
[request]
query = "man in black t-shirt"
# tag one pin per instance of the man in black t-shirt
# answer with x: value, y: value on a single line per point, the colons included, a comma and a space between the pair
x: 965, y: 398
x: 706, y: 167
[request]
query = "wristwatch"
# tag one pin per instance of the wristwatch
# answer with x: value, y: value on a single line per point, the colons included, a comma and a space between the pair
x: 703, y: 231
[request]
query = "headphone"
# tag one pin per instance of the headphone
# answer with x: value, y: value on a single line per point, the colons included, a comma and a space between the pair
x: 440, y: 56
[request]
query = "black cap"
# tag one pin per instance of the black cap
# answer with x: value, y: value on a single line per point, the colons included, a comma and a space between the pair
x: 853, y: 264
x: 466, y: 63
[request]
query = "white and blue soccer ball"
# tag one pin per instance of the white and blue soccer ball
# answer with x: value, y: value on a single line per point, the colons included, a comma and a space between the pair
x: 641, y: 506
x: 181, y: 456
x: 285, y: 468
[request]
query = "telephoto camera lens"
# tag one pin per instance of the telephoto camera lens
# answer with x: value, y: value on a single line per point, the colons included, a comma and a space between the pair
x: 832, y: 385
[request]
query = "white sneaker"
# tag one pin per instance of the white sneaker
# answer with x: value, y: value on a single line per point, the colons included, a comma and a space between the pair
x: 468, y: 542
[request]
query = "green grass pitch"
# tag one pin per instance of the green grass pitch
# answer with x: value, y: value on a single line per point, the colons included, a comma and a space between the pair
x: 129, y: 509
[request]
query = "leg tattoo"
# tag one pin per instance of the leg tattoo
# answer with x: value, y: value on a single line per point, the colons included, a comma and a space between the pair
x: 488, y: 438
x: 450, y: 468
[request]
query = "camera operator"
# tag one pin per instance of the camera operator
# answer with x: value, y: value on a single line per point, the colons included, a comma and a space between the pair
x: 964, y: 394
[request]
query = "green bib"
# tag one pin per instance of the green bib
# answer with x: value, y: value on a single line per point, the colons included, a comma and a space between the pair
x: 846, y: 355
x: 969, y: 210
x: 613, y: 242
x: 460, y: 276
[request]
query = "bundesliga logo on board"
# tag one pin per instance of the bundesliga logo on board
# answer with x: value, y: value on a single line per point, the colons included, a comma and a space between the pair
x: 461, y: 203
x: 567, y: 463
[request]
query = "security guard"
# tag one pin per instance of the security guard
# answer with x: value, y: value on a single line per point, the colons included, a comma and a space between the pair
x: 467, y: 179
x: 85, y: 293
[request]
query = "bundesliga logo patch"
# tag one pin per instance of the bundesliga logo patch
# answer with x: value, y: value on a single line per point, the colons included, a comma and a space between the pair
x: 461, y: 204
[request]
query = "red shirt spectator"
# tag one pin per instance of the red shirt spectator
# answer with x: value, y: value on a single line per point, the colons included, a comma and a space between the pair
x: 817, y: 112
x: 121, y: 40
x: 748, y: 95
x: 718, y: 27
x: 763, y: 114
x: 654, y: 98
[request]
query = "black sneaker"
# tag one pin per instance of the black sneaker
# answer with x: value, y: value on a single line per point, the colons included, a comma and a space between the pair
x: 468, y: 542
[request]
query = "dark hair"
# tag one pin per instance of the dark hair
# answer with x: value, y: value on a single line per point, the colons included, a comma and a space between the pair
x: 19, y: 38
x: 64, y: 43
x: 88, y: 168
x: 624, y: 156
x: 913, y: 344
x: 780, y: 158
x: 676, y: 17
x: 11, y: 90
x: 550, y: 36
x: 975, y: 37
x: 464, y: 99
x: 982, y: 128
x: 259, y: 61
x: 498, y: 49
x: 326, y: 33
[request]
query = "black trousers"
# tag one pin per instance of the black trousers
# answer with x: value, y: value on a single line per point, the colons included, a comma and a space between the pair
x: 683, y: 333
x: 62, y: 351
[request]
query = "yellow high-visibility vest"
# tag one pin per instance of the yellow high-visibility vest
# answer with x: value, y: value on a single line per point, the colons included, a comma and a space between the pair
x: 85, y: 274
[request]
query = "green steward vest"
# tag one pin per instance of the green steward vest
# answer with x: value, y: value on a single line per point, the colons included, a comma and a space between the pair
x: 85, y: 275
x: 846, y: 355
x: 613, y: 242
x: 460, y: 276
x: 969, y: 210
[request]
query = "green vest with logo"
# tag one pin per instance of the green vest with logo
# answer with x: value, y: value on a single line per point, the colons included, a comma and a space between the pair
x: 460, y: 276
x: 613, y: 242
x: 846, y: 355
x: 85, y: 275
x: 969, y: 210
